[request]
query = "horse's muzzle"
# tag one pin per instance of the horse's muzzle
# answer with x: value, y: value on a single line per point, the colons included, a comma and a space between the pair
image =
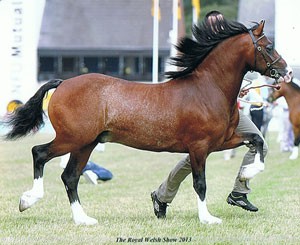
x: 288, y: 76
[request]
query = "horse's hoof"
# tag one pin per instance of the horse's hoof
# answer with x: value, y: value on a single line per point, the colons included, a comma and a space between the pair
x: 86, y: 221
x: 295, y: 153
x: 293, y: 157
x: 23, y: 205
x: 27, y: 200
x: 211, y: 220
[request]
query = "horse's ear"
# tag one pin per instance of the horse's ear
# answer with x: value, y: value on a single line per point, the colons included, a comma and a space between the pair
x: 259, y: 30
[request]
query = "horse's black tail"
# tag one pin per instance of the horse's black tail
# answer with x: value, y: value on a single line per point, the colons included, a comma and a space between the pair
x: 29, y: 116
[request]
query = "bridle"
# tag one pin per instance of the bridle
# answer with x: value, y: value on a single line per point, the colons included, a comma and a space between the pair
x: 270, y: 66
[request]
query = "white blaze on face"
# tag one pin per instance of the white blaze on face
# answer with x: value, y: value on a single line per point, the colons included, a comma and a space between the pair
x: 288, y: 76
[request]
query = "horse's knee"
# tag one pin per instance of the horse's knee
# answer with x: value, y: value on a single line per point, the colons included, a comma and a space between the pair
x: 69, y: 181
x: 36, y: 153
x: 66, y: 179
x: 199, y: 185
x: 39, y: 155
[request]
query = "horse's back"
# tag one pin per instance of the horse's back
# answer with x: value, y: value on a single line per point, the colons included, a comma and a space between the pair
x: 96, y: 105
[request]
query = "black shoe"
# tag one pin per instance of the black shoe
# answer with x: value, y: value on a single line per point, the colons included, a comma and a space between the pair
x: 240, y: 200
x: 160, y: 208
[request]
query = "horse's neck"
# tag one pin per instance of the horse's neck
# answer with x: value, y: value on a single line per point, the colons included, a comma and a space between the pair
x: 226, y: 66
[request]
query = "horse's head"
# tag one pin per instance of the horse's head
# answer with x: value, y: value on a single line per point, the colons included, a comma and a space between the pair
x: 266, y: 59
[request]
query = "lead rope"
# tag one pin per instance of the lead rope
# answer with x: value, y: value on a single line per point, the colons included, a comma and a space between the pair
x: 276, y: 86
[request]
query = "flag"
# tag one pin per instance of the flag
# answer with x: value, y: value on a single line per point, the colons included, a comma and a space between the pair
x: 196, y: 5
x: 179, y: 10
x: 152, y: 10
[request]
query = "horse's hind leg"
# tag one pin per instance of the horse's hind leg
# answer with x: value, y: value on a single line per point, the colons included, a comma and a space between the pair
x: 70, y: 177
x: 40, y: 154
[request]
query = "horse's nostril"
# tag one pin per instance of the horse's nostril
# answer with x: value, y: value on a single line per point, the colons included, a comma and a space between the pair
x: 289, y: 71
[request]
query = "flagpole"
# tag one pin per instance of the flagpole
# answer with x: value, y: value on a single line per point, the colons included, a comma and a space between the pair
x: 174, y: 32
x: 195, y: 16
x: 155, y: 42
x: 196, y: 11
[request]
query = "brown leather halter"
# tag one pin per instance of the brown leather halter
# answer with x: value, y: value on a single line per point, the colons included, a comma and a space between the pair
x: 270, y: 66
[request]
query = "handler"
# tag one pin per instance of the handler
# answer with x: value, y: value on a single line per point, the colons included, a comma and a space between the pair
x: 238, y: 197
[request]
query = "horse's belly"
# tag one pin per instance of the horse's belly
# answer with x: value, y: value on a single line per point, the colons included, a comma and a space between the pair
x: 157, y: 147
x: 145, y: 140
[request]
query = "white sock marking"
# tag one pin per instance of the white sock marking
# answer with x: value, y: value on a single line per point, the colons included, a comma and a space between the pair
x: 80, y: 217
x: 204, y: 215
x: 249, y: 171
x: 30, y: 197
x: 38, y: 187
x: 295, y: 153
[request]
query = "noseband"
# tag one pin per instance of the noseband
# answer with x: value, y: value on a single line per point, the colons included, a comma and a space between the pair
x: 273, y: 71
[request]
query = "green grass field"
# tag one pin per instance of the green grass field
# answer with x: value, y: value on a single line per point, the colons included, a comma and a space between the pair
x: 123, y: 206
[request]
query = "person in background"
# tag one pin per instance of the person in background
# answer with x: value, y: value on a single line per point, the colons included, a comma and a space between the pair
x: 92, y: 172
x: 286, y: 135
x: 255, y: 104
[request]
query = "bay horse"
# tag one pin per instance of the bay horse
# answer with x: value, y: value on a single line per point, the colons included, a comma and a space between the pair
x: 194, y: 112
x: 291, y: 92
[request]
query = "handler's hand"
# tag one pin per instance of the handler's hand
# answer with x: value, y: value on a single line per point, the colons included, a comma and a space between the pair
x: 243, y: 93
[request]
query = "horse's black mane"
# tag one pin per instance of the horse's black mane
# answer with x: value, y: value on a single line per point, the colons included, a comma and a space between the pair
x: 193, y: 52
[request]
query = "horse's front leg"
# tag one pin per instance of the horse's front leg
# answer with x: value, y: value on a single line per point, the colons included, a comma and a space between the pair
x: 40, y: 156
x: 199, y: 183
x: 70, y: 177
